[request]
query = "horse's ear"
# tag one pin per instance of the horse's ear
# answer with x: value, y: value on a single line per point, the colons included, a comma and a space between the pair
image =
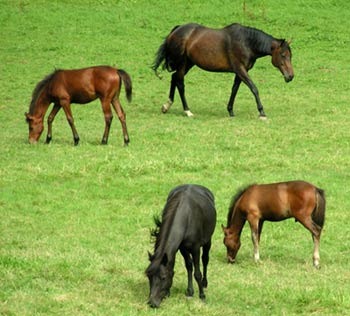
x: 150, y: 256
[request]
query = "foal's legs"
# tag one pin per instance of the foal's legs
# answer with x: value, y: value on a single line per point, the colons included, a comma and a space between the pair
x: 67, y: 110
x: 235, y: 88
x: 122, y: 118
x: 255, y: 232
x: 106, y: 108
x: 189, y: 267
x: 316, y: 235
x: 50, y: 119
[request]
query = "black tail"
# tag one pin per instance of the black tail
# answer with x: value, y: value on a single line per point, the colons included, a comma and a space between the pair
x: 161, y: 55
x: 127, y: 83
x: 318, y: 215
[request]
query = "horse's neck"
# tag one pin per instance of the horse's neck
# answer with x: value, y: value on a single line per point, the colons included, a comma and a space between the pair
x: 38, y: 107
x: 237, y: 222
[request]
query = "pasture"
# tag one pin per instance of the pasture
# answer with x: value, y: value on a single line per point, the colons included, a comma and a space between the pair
x: 75, y: 220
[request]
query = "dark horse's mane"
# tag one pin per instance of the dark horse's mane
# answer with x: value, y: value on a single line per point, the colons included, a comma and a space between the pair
x: 160, y: 233
x: 256, y: 39
x: 38, y: 89
x: 234, y: 200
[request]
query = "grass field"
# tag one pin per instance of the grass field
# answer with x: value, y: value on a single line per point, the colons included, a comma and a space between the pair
x: 75, y: 221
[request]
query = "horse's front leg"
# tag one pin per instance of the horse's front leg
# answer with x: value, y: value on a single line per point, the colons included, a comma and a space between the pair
x: 246, y: 79
x: 67, y: 110
x: 254, y: 227
x: 189, y: 267
x: 234, y: 91
x: 50, y: 120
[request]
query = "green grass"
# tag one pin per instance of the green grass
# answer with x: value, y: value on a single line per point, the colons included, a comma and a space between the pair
x: 75, y: 221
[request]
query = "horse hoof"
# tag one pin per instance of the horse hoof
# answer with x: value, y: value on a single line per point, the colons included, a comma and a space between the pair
x: 164, y: 108
x: 263, y: 117
x: 189, y: 113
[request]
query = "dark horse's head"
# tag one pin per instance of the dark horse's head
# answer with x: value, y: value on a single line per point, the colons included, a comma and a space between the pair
x: 160, y: 275
x: 282, y: 58
x: 160, y: 272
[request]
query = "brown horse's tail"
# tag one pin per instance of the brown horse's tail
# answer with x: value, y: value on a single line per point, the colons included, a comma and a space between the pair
x: 127, y: 83
x: 318, y: 215
x: 162, y: 56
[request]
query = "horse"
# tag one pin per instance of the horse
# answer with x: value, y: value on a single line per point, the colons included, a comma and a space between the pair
x: 188, y: 222
x: 63, y: 87
x: 274, y: 202
x: 234, y: 48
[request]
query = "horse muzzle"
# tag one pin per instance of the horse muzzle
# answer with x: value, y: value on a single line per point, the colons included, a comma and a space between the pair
x: 154, y: 303
x: 32, y: 141
x: 288, y: 78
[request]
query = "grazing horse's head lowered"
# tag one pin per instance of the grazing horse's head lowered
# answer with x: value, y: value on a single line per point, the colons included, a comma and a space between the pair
x: 63, y: 87
x: 187, y: 224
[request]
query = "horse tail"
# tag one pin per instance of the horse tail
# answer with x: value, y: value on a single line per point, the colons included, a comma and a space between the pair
x: 162, y: 56
x: 318, y: 214
x: 127, y: 83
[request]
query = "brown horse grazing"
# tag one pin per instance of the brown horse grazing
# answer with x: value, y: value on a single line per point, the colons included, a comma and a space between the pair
x: 234, y: 48
x: 274, y: 202
x: 63, y: 87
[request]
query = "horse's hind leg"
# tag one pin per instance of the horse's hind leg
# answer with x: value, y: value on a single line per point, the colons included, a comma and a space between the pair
x: 50, y: 119
x: 122, y: 118
x: 234, y: 91
x: 315, y: 230
x: 205, y: 261
x: 189, y: 267
x: 106, y: 108
x: 197, y: 272
x: 166, y: 106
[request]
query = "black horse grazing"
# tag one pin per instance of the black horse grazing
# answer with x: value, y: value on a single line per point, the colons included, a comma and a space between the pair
x: 188, y: 222
x: 235, y: 48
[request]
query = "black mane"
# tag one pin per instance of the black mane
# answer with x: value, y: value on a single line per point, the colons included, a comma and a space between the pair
x: 161, y: 231
x: 257, y: 40
x: 38, y: 89
x: 234, y: 200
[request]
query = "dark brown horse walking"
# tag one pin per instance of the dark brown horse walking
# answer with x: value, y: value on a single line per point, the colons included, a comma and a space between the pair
x: 234, y: 48
x: 274, y: 202
x: 63, y: 87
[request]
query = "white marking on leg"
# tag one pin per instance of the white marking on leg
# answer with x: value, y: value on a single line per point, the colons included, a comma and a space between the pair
x: 189, y: 113
x: 166, y: 106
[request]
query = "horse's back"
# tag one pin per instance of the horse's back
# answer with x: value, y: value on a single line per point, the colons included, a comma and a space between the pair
x: 196, y: 212
x: 85, y: 84
x: 209, y: 48
x: 276, y: 201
